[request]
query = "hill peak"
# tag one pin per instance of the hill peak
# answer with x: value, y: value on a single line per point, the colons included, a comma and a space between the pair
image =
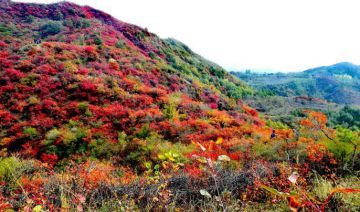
x: 337, y: 69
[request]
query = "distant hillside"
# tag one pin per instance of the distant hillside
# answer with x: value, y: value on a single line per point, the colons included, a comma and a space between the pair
x: 337, y: 83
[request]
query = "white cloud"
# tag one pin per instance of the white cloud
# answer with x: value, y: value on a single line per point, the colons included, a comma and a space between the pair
x: 278, y: 34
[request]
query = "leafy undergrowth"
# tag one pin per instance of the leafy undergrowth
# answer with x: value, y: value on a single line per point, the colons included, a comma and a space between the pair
x: 97, y: 114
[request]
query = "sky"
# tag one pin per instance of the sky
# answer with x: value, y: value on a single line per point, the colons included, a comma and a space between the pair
x: 278, y: 35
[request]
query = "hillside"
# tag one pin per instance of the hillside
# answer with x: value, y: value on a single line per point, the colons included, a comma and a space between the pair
x: 65, y: 66
x: 101, y: 115
x: 337, y: 83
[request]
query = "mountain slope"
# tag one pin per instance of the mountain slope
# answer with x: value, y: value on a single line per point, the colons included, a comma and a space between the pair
x: 339, y: 83
x: 75, y: 81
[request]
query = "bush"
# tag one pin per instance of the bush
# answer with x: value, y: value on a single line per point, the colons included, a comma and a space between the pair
x: 29, y: 19
x: 235, y: 91
x: 152, y: 55
x: 51, y: 136
x: 103, y: 148
x: 50, y: 28
x: 120, y: 44
x: 343, y: 201
x: 97, y: 40
x: 217, y: 72
x: 8, y: 167
x: 83, y: 106
x: 31, y: 132
x: 345, y: 146
x: 85, y: 23
x: 268, y: 151
x: 58, y: 15
x: 12, y: 168
x: 5, y: 30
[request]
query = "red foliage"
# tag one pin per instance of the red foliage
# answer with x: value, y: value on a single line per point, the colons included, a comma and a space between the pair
x: 316, y: 152
x: 14, y: 74
x: 250, y: 111
x: 6, y: 118
x: 51, y: 159
x: 88, y: 86
x: 193, y: 170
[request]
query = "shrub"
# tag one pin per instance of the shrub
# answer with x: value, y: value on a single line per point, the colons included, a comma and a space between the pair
x: 31, y: 132
x: 217, y: 72
x: 170, y: 111
x: 68, y: 136
x: 51, y: 136
x: 345, y: 146
x: 29, y: 19
x: 58, y: 15
x: 69, y: 67
x: 5, y: 30
x: 276, y: 124
x: 144, y: 132
x: 83, y: 106
x: 33, y: 100
x: 30, y: 80
x: 12, y: 168
x: 268, y: 151
x: 120, y: 44
x: 152, y: 55
x: 8, y: 167
x: 103, y: 148
x: 85, y: 23
x: 235, y: 91
x: 345, y: 201
x: 50, y: 28
x: 98, y: 40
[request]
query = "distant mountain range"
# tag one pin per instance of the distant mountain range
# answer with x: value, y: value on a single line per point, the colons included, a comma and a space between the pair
x: 338, y: 83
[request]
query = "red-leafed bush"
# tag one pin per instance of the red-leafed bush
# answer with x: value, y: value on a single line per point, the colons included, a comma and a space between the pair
x: 51, y: 159
x: 6, y: 118
x: 14, y: 74
x: 88, y: 86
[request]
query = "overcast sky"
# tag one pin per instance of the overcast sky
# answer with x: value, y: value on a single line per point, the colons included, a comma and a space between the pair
x: 282, y: 35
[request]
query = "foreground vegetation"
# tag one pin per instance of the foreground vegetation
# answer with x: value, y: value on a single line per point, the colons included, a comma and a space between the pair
x: 316, y: 168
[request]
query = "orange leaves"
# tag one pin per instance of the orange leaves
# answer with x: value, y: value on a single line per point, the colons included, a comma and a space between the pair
x: 316, y: 152
x: 314, y: 125
x: 284, y: 133
x: 293, y: 204
x: 250, y: 111
x: 307, y: 123
x: 94, y: 173
x: 314, y: 119
x: 220, y: 117
x: 305, y: 140
x: 6, y: 141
